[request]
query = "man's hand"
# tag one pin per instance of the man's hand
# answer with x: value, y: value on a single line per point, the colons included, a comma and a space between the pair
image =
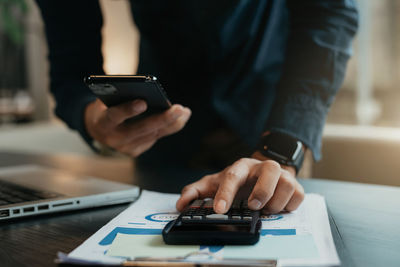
x: 267, y: 185
x: 107, y: 126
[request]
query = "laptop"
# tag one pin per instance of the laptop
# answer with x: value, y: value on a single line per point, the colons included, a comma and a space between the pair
x: 30, y: 190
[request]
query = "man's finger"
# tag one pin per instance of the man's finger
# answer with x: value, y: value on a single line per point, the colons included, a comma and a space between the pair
x: 176, y: 126
x: 139, y: 145
x: 126, y: 134
x: 155, y: 122
x: 118, y: 114
x: 296, y: 199
x: 203, y: 188
x: 268, y: 175
x: 283, y: 193
x: 231, y: 178
x: 142, y: 148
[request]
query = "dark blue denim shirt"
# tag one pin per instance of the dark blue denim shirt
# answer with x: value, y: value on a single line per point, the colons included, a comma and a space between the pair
x: 251, y: 65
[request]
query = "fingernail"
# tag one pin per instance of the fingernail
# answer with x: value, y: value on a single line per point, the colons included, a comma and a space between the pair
x: 139, y: 106
x: 186, y: 116
x: 221, y: 205
x: 176, y: 113
x: 255, y: 204
x: 188, y: 111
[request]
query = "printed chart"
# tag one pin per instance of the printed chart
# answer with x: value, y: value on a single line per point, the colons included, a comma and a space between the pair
x: 293, y: 238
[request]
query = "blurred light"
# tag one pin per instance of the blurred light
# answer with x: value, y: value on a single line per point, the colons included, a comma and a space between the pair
x: 120, y: 38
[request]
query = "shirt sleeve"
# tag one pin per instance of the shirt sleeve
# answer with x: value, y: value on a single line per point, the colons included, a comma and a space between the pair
x: 73, y: 30
x: 319, y: 46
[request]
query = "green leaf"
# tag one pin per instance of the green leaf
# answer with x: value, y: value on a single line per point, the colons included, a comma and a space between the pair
x: 11, y: 26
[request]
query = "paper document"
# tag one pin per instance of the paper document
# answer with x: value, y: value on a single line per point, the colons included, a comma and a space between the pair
x: 299, y: 238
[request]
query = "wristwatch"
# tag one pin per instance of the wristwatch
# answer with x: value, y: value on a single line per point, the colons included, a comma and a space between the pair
x: 282, y: 148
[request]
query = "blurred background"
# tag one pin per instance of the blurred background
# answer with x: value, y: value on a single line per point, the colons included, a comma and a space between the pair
x: 361, y: 139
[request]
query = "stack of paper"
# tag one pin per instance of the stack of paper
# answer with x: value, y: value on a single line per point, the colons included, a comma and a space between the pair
x: 299, y: 238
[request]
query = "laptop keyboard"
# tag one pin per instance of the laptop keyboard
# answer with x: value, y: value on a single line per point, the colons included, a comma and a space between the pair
x: 12, y: 194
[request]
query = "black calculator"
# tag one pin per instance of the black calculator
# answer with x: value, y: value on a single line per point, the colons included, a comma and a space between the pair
x: 198, y: 224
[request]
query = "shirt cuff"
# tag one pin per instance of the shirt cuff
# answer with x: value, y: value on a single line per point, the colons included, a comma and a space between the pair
x: 72, y: 112
x: 301, y: 117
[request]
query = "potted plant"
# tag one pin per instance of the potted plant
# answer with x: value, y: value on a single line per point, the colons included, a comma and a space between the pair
x: 13, y: 80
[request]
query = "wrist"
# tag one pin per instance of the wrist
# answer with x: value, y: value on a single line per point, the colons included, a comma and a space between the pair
x: 88, y: 118
x: 89, y: 121
x: 259, y: 156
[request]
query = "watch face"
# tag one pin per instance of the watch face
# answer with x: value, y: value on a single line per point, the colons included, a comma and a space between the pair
x: 282, y: 145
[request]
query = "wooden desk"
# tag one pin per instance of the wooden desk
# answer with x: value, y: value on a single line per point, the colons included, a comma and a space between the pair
x: 366, y: 218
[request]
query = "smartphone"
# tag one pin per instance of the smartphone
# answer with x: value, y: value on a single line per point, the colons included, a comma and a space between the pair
x: 113, y: 90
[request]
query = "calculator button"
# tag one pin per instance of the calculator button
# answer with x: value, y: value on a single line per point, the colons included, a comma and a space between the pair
x: 236, y: 217
x: 236, y: 205
x: 209, y: 203
x: 235, y: 212
x: 217, y: 216
x: 196, y: 217
x: 196, y: 204
x: 247, y: 218
x: 186, y: 218
x: 209, y: 211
